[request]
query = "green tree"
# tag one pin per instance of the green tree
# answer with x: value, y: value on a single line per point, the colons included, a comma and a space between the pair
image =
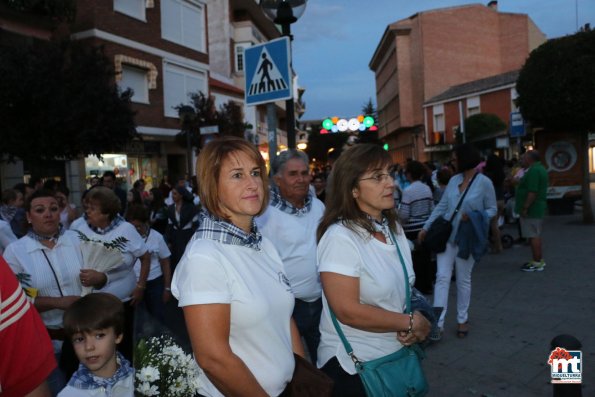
x: 59, y: 100
x: 368, y: 109
x: 556, y: 88
x: 201, y: 112
x: 482, y: 124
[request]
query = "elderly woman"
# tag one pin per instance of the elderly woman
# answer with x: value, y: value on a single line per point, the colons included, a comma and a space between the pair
x: 236, y: 298
x: 105, y: 224
x: 478, y: 206
x: 48, y: 262
x: 363, y: 279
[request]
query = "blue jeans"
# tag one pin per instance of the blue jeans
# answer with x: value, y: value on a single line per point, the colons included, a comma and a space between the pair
x: 307, y: 319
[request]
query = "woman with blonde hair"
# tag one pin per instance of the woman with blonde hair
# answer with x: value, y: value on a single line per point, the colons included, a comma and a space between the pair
x: 231, y: 284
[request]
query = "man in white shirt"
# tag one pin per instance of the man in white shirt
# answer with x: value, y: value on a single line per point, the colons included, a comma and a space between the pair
x: 290, y: 222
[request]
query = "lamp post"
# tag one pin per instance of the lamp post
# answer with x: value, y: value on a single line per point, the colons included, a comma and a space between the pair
x: 284, y: 13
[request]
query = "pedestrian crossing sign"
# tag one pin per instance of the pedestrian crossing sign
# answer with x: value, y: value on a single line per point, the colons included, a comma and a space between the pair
x: 267, y: 71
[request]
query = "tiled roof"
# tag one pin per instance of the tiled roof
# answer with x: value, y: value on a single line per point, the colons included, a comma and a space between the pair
x: 476, y: 86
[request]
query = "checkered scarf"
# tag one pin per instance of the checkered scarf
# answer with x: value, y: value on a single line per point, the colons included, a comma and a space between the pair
x: 216, y: 229
x: 279, y: 202
x: 117, y: 221
x: 381, y: 227
x: 85, y: 380
x: 39, y: 237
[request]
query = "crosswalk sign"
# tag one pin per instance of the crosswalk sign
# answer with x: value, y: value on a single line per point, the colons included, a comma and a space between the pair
x: 267, y: 71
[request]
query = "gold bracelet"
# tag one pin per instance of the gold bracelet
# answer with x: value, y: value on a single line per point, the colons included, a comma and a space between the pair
x: 141, y: 286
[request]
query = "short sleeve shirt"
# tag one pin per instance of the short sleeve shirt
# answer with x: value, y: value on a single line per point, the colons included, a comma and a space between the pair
x: 535, y: 180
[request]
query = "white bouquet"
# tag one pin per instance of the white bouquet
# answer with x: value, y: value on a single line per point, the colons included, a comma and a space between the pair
x: 163, y: 369
x: 101, y: 256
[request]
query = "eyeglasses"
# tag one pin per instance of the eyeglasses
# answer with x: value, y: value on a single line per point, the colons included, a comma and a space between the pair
x: 379, y: 178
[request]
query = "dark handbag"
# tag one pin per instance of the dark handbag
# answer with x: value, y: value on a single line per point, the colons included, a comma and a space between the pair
x: 398, y: 374
x: 439, y: 232
x: 308, y: 381
x: 437, y: 235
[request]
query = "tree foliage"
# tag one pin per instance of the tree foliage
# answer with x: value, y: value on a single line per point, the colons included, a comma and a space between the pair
x: 202, y: 112
x: 58, y: 9
x: 368, y: 109
x: 60, y: 100
x: 483, y: 124
x: 556, y: 86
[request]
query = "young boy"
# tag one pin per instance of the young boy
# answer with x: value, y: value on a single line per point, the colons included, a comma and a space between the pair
x: 95, y: 324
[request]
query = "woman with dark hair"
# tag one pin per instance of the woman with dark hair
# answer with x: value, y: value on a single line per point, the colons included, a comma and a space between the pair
x: 133, y: 197
x: 105, y: 224
x: 231, y: 284
x: 157, y: 210
x: 48, y: 263
x: 182, y: 218
x: 468, y: 240
x: 363, y: 277
x: 416, y: 206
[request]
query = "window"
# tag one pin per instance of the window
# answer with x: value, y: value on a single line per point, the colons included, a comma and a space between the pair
x: 438, y: 111
x: 178, y: 83
x: 472, y: 106
x: 240, y: 47
x: 182, y: 21
x: 132, y: 8
x: 136, y: 79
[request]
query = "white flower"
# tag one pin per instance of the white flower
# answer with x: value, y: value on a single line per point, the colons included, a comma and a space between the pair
x: 148, y: 374
x: 146, y: 389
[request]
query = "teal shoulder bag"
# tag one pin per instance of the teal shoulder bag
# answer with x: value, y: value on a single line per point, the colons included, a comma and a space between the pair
x: 396, y: 375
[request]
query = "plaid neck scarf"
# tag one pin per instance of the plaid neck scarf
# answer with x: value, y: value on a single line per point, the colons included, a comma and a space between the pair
x: 85, y: 380
x: 279, y: 202
x: 381, y: 227
x: 39, y: 237
x: 216, y: 229
x: 115, y: 223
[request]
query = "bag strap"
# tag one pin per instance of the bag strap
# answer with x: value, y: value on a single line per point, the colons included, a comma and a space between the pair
x: 462, y: 198
x: 346, y: 343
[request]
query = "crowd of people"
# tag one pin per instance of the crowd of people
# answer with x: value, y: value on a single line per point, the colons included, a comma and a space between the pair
x: 257, y: 264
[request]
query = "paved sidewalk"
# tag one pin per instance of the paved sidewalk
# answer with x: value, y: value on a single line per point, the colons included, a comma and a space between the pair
x: 514, y: 315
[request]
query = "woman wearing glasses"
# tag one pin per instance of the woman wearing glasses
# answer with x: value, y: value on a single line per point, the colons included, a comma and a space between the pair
x: 362, y: 277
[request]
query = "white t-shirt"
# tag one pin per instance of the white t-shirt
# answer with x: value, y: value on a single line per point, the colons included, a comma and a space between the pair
x: 64, y: 216
x: 382, y: 284
x: 25, y: 258
x: 254, y: 284
x: 158, y: 249
x: 121, y: 280
x: 77, y: 223
x: 294, y: 237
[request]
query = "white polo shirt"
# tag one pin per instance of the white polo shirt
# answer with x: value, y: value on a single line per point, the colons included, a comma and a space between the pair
x: 294, y: 237
x: 382, y: 284
x: 254, y: 284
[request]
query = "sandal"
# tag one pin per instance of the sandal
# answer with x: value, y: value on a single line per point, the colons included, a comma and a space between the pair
x: 463, y: 330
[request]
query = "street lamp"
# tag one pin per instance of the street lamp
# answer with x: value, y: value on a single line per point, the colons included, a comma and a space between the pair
x: 284, y: 13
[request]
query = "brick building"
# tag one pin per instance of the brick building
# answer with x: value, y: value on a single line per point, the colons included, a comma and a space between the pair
x: 424, y: 55
x: 445, y: 113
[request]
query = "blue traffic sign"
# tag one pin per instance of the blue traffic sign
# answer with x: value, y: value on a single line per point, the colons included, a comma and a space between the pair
x: 517, y: 125
x: 267, y: 72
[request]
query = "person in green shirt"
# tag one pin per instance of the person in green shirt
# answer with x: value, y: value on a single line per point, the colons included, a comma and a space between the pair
x: 531, y: 205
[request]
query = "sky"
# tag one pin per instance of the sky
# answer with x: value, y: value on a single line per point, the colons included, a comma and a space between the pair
x: 334, y: 41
